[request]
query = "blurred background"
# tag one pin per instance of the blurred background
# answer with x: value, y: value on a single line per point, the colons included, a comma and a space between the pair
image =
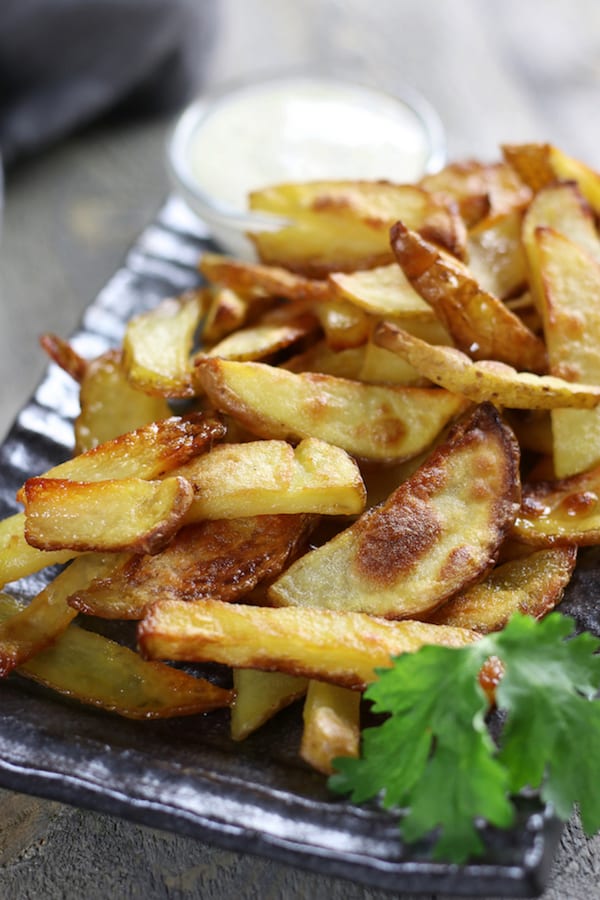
x: 86, y: 172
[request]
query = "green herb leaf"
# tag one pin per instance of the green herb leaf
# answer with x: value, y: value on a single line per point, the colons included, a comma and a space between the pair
x: 434, y: 758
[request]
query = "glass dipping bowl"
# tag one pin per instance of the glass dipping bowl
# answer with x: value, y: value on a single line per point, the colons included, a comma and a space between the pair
x: 294, y: 128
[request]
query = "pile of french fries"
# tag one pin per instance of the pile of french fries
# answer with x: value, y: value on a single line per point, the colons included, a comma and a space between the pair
x: 390, y: 438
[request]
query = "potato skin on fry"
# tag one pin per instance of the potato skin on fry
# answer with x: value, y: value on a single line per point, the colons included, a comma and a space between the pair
x: 439, y: 532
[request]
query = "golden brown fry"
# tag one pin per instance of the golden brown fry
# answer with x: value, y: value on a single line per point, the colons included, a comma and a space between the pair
x: 248, y: 278
x: 479, y: 323
x: 275, y: 403
x: 341, y: 226
x: 539, y: 165
x: 481, y: 189
x: 496, y: 255
x: 90, y: 668
x: 110, y: 405
x: 18, y: 558
x: 487, y: 379
x: 148, y: 452
x: 125, y: 514
x: 36, y: 626
x: 264, y: 339
x: 384, y: 291
x: 341, y: 648
x: 226, y: 311
x: 225, y: 558
x: 64, y: 355
x: 532, y: 585
x: 158, y: 344
x: 565, y: 511
x: 438, y: 533
x: 259, y: 696
x: 331, y: 725
x: 345, y: 325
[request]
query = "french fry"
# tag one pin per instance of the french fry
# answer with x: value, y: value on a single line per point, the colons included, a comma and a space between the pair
x: 94, y: 670
x: 148, y: 452
x: 263, y: 340
x: 64, y: 355
x: 487, y: 379
x: 496, y: 256
x: 384, y: 291
x: 345, y: 325
x: 331, y: 725
x: 225, y: 312
x: 562, y: 511
x: 481, y: 189
x: 439, y: 532
x: 479, y: 323
x: 341, y: 648
x: 37, y: 625
x: 226, y: 559
x: 538, y: 165
x: 271, y: 477
x: 275, y: 403
x: 532, y: 585
x: 110, y: 405
x: 157, y: 347
x: 18, y: 558
x: 259, y: 696
x: 124, y: 514
x: 250, y: 278
x: 341, y: 226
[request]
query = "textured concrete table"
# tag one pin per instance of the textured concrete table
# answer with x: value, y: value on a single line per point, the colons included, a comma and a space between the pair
x: 496, y: 73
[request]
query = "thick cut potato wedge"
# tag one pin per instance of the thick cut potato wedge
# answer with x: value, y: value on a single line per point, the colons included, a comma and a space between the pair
x: 272, y: 477
x: 37, y: 625
x: 96, y: 671
x: 272, y: 281
x: 480, y: 189
x: 438, y: 533
x: 158, y: 344
x: 18, y: 558
x: 369, y: 421
x: 384, y: 291
x: 259, y: 696
x: 562, y: 511
x: 124, y: 514
x: 532, y: 585
x: 148, y: 452
x: 341, y: 648
x: 570, y: 282
x: 496, y: 255
x: 224, y: 559
x: 263, y: 340
x: 541, y: 164
x: 479, y: 323
x: 341, y: 226
x: 486, y: 379
x: 331, y: 725
x: 110, y: 405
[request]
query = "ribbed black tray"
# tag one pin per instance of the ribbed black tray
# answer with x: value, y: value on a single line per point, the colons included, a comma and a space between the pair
x: 187, y: 775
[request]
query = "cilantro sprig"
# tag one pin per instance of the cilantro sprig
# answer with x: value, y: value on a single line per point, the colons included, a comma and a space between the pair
x: 434, y: 759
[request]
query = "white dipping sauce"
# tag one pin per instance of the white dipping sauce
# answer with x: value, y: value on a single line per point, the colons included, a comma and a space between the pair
x: 303, y: 128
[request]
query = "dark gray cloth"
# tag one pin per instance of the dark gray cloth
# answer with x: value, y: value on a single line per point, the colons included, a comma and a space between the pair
x: 64, y: 63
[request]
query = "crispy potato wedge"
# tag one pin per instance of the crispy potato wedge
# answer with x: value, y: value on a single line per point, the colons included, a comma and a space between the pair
x: 541, y: 164
x: 479, y: 323
x: 341, y: 648
x: 90, y: 668
x: 18, y: 558
x: 37, y: 625
x: 225, y: 559
x: 532, y: 585
x: 110, y: 405
x: 331, y: 725
x: 124, y: 514
x: 64, y: 355
x: 384, y: 291
x: 570, y: 281
x: 562, y: 511
x: 487, y: 379
x: 272, y: 477
x: 259, y: 696
x: 438, y: 533
x: 252, y: 278
x: 158, y: 344
x: 275, y: 403
x: 480, y: 189
x: 148, y: 452
x: 340, y: 226
x: 496, y: 256
x: 225, y: 311
x: 263, y: 340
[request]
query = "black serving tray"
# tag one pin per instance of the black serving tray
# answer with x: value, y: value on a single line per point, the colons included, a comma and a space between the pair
x: 186, y: 775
